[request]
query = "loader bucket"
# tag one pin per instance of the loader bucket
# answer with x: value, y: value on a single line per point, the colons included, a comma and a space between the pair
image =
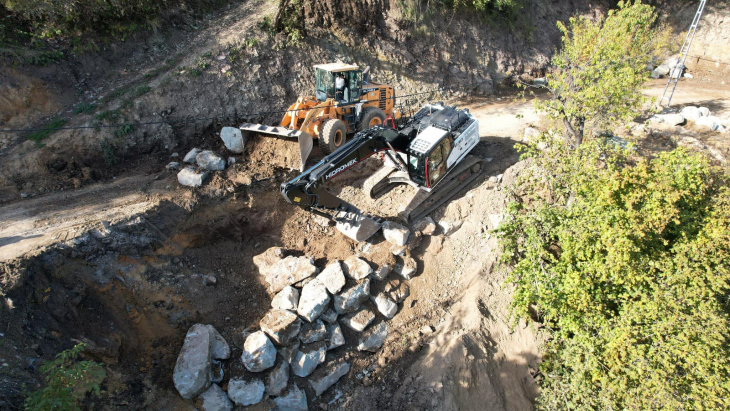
x: 305, y: 140
x: 357, y: 226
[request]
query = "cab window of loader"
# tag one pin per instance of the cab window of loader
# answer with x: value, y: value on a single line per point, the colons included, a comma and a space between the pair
x: 325, y: 85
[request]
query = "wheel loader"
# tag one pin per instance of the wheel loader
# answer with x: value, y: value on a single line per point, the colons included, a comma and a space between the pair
x: 430, y: 152
x: 345, y: 102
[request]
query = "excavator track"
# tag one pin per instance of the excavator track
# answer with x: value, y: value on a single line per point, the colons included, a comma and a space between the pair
x: 423, y: 203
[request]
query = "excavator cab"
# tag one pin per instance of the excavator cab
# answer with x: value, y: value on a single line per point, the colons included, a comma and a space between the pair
x: 327, y: 80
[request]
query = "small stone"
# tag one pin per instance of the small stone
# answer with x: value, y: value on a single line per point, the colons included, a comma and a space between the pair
x: 258, y: 353
x: 335, y: 337
x: 425, y: 225
x: 233, y: 139
x: 407, y: 269
x: 246, y: 393
x: 210, y: 280
x: 357, y: 268
x: 290, y: 270
x: 192, y: 373
x: 190, y: 177
x: 323, y: 379
x: 414, y: 240
x: 190, y: 156
x: 395, y: 233
x: 278, y: 379
x: 426, y: 330
x: 399, y: 251
x: 286, y: 299
x: 313, y: 301
x: 333, y: 277
x: 313, y: 332
x: 173, y: 165
x: 367, y: 381
x: 294, y: 400
x: 496, y: 220
x: 174, y: 155
x: 450, y: 227
x: 307, y: 358
x: 385, y: 305
x: 215, y: 399
x: 281, y: 325
x: 381, y: 273
x: 219, y: 348
x: 210, y: 161
x: 373, y: 339
x: 351, y: 299
x: 329, y: 316
x: 360, y: 320
x: 231, y: 161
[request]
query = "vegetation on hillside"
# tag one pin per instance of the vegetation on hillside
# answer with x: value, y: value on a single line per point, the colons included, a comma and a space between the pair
x: 596, y: 77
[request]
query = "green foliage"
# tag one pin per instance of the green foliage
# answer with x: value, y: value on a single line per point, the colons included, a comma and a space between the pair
x: 68, y: 380
x: 417, y: 11
x: 115, y: 94
x: 627, y: 263
x: 108, y: 115
x: 84, y: 107
x: 266, y: 25
x: 596, y: 78
x: 140, y: 91
x: 109, y: 152
x: 123, y: 130
x: 46, y: 131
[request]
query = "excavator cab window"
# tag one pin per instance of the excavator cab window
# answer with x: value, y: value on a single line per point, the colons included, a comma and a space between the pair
x: 437, y: 161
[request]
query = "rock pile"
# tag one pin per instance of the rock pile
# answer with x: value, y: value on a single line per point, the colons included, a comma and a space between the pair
x: 700, y: 116
x: 293, y: 350
x: 202, y: 162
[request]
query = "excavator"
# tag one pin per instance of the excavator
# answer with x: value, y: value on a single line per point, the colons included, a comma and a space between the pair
x: 345, y: 102
x: 429, y: 151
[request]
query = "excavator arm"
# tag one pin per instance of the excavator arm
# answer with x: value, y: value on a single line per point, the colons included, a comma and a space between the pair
x: 308, y: 189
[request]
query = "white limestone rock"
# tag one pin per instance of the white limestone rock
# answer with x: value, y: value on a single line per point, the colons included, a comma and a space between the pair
x: 219, y: 348
x: 293, y: 400
x: 215, y: 399
x: 278, y: 379
x: 374, y: 339
x: 357, y: 268
x: 192, y: 374
x: 281, y: 325
x: 395, y: 233
x: 360, y: 320
x: 259, y: 353
x: 325, y: 378
x: 190, y: 156
x: 333, y: 277
x: 190, y: 177
x: 246, y: 392
x: 308, y: 357
x: 211, y: 161
x: 351, y: 298
x: 385, y: 305
x: 313, y: 300
x: 286, y: 299
x: 233, y: 139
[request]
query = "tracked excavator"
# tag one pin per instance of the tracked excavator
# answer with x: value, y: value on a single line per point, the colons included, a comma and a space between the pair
x: 429, y: 151
x: 345, y: 102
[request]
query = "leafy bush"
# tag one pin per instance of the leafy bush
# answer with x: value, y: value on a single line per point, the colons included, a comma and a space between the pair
x: 68, y: 380
x: 46, y: 130
x: 596, y: 78
x: 627, y: 263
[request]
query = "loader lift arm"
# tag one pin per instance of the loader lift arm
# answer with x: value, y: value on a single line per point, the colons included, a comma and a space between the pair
x: 308, y: 189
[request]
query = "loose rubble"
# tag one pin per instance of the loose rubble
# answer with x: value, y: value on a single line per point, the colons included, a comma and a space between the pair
x: 190, y: 177
x: 313, y: 300
x: 286, y: 299
x: 333, y: 277
x: 278, y: 379
x: 190, y: 156
x: 307, y: 358
x: 385, y: 305
x: 327, y: 377
x: 281, y: 325
x: 395, y: 233
x: 407, y: 269
x: 373, y: 339
x: 215, y: 399
x: 349, y: 300
x: 426, y: 226
x: 210, y: 161
x: 335, y: 337
x: 360, y: 320
x: 357, y: 268
x: 289, y: 271
x: 294, y: 400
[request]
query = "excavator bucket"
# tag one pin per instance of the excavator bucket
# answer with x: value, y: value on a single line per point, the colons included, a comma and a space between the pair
x: 305, y: 140
x: 357, y: 226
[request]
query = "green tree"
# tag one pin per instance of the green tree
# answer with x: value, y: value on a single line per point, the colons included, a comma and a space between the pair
x: 68, y: 380
x: 596, y: 77
x: 627, y: 263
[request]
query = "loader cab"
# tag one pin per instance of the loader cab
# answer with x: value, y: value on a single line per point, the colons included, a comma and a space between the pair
x: 326, y: 80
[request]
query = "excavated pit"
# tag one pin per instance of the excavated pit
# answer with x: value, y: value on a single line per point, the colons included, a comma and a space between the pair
x: 131, y: 288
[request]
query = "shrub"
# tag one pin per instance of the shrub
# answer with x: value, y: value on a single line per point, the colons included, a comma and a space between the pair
x: 68, y: 380
x: 627, y: 263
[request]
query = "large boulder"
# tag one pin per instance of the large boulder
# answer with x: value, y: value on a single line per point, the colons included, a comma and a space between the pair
x: 307, y: 358
x: 293, y: 400
x: 351, y: 299
x: 215, y: 399
x: 190, y: 177
x: 233, y: 139
x: 324, y: 378
x: 313, y: 332
x: 660, y: 71
x: 691, y: 113
x: 395, y: 233
x: 281, y: 325
x: 278, y: 379
x: 357, y: 268
x: 374, y: 338
x: 385, y: 305
x: 313, y: 301
x: 258, y: 352
x: 210, y: 161
x: 290, y: 270
x: 426, y: 226
x: 333, y: 277
x: 711, y: 122
x: 219, y: 348
x: 266, y: 260
x: 360, y: 320
x: 192, y: 373
x: 335, y: 337
x: 246, y: 392
x: 286, y: 299
x: 673, y: 119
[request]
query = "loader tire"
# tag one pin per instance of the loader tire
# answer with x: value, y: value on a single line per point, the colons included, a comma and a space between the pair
x: 371, y: 116
x: 332, y: 136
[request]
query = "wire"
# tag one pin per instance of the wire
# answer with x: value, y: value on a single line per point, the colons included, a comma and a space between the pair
x: 248, y: 115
